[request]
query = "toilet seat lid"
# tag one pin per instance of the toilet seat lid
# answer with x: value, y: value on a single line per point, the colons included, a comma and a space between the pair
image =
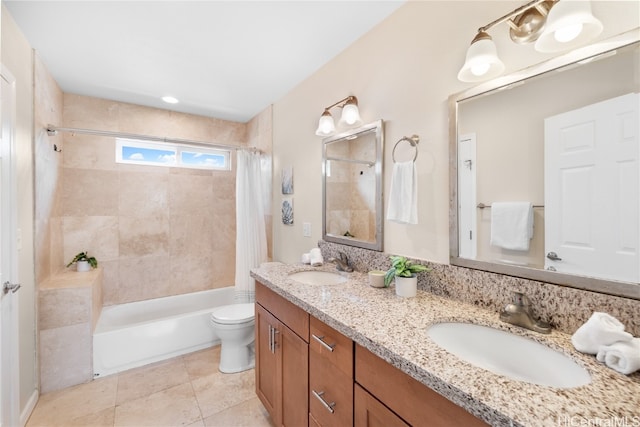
x: 233, y: 313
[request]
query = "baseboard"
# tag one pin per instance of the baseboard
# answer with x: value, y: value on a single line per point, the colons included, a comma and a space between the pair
x: 29, y: 407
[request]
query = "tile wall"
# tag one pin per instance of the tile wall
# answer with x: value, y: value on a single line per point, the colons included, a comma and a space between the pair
x: 156, y: 231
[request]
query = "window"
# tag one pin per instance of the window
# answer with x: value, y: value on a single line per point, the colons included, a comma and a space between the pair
x: 165, y: 154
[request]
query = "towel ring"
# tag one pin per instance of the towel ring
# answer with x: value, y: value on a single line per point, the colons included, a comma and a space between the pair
x: 413, y: 140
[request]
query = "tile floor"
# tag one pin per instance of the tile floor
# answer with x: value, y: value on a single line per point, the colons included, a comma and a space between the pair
x: 184, y: 391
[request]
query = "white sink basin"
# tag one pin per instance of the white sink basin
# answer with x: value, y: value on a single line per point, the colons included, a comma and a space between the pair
x: 513, y: 356
x: 318, y: 277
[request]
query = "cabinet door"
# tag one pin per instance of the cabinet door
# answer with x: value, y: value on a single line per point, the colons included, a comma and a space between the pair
x: 294, y: 354
x: 268, y: 387
x: 369, y: 412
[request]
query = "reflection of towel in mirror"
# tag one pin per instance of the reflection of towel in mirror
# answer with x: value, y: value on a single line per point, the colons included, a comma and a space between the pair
x: 512, y: 225
x: 403, y: 196
x: 622, y: 356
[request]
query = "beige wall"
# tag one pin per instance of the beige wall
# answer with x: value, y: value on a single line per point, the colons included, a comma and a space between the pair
x: 48, y: 172
x: 17, y: 57
x: 403, y: 71
x: 156, y: 231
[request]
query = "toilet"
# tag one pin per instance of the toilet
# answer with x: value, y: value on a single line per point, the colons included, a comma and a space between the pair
x: 234, y: 324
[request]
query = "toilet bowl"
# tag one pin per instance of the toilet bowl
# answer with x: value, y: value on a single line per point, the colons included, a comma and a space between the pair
x: 234, y: 325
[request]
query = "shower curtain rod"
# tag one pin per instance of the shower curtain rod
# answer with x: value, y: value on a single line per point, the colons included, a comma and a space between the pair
x: 53, y: 130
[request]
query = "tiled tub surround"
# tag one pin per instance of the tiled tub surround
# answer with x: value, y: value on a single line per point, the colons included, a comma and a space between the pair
x: 395, y: 329
x: 566, y: 309
x: 156, y: 231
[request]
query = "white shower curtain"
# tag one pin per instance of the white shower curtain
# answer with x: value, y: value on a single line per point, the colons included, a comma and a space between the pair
x: 252, y: 194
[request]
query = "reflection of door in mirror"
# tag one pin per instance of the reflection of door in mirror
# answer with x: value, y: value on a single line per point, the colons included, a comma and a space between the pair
x: 467, y: 195
x: 351, y: 188
x: 509, y: 129
x: 592, y: 190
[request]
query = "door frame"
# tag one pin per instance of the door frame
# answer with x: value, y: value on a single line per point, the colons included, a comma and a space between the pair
x: 9, y: 358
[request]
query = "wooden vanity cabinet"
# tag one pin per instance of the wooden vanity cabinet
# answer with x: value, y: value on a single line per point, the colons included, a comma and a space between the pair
x: 307, y: 373
x: 402, y: 396
x: 330, y: 376
x: 282, y: 358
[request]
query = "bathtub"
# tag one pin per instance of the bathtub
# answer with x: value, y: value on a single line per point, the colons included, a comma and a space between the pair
x: 138, y: 333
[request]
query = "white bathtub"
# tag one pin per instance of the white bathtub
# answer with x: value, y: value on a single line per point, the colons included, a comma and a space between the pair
x: 138, y: 333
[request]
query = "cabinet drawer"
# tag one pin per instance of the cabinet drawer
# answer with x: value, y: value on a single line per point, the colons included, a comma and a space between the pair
x: 291, y: 315
x: 330, y: 393
x: 331, y: 345
x: 413, y: 401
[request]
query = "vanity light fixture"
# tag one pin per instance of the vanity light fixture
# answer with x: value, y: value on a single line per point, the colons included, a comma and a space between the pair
x: 554, y: 25
x: 350, y: 116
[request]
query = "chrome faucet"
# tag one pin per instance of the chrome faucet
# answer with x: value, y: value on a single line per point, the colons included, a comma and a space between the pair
x: 519, y: 313
x: 342, y: 263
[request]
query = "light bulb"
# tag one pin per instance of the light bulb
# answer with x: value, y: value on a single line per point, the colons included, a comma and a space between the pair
x: 568, y: 33
x: 350, y: 114
x: 480, y: 69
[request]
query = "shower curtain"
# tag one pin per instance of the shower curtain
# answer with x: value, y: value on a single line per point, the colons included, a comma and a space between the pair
x: 252, y: 195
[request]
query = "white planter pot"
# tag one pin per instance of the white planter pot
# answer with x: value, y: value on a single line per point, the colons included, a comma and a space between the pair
x: 406, y: 286
x: 83, y: 266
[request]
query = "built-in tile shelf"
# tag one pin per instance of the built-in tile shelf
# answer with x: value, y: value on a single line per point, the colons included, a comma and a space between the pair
x: 69, y: 305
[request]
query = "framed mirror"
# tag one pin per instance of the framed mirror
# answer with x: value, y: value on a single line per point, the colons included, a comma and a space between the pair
x: 352, y: 187
x: 561, y: 139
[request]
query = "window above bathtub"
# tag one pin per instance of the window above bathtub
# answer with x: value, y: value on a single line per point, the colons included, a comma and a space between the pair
x: 138, y: 152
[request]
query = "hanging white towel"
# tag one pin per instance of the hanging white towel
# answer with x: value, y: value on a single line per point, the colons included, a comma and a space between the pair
x: 622, y: 356
x: 403, y: 196
x: 512, y: 225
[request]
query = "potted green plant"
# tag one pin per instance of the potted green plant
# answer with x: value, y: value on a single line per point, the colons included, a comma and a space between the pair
x: 404, y: 272
x: 83, y: 261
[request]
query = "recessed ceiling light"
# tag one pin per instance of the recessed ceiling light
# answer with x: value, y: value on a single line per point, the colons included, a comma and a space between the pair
x: 170, y: 99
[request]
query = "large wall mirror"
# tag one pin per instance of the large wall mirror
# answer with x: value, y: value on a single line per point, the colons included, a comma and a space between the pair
x: 352, y: 187
x: 562, y: 139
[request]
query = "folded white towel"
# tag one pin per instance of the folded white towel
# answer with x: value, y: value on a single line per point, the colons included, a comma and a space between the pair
x: 512, y: 225
x: 622, y: 356
x: 600, y: 330
x: 403, y: 195
x: 315, y: 257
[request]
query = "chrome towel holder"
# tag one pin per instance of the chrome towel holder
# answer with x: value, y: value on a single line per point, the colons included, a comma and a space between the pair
x: 413, y: 140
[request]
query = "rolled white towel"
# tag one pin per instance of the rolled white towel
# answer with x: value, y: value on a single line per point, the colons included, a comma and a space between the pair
x: 306, y: 258
x: 622, y: 356
x: 315, y: 257
x: 601, y: 329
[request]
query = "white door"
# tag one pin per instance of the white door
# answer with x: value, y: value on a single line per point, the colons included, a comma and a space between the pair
x: 592, y: 189
x: 467, y: 209
x: 9, y: 406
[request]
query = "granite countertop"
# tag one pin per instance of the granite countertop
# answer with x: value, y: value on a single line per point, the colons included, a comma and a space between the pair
x: 394, y: 328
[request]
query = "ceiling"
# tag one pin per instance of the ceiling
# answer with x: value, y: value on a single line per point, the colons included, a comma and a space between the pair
x: 224, y: 59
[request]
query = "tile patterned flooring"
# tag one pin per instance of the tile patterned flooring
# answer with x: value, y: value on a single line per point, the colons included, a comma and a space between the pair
x: 185, y: 391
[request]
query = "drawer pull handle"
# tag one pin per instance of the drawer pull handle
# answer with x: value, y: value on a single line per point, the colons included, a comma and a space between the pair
x: 319, y: 395
x: 324, y: 344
